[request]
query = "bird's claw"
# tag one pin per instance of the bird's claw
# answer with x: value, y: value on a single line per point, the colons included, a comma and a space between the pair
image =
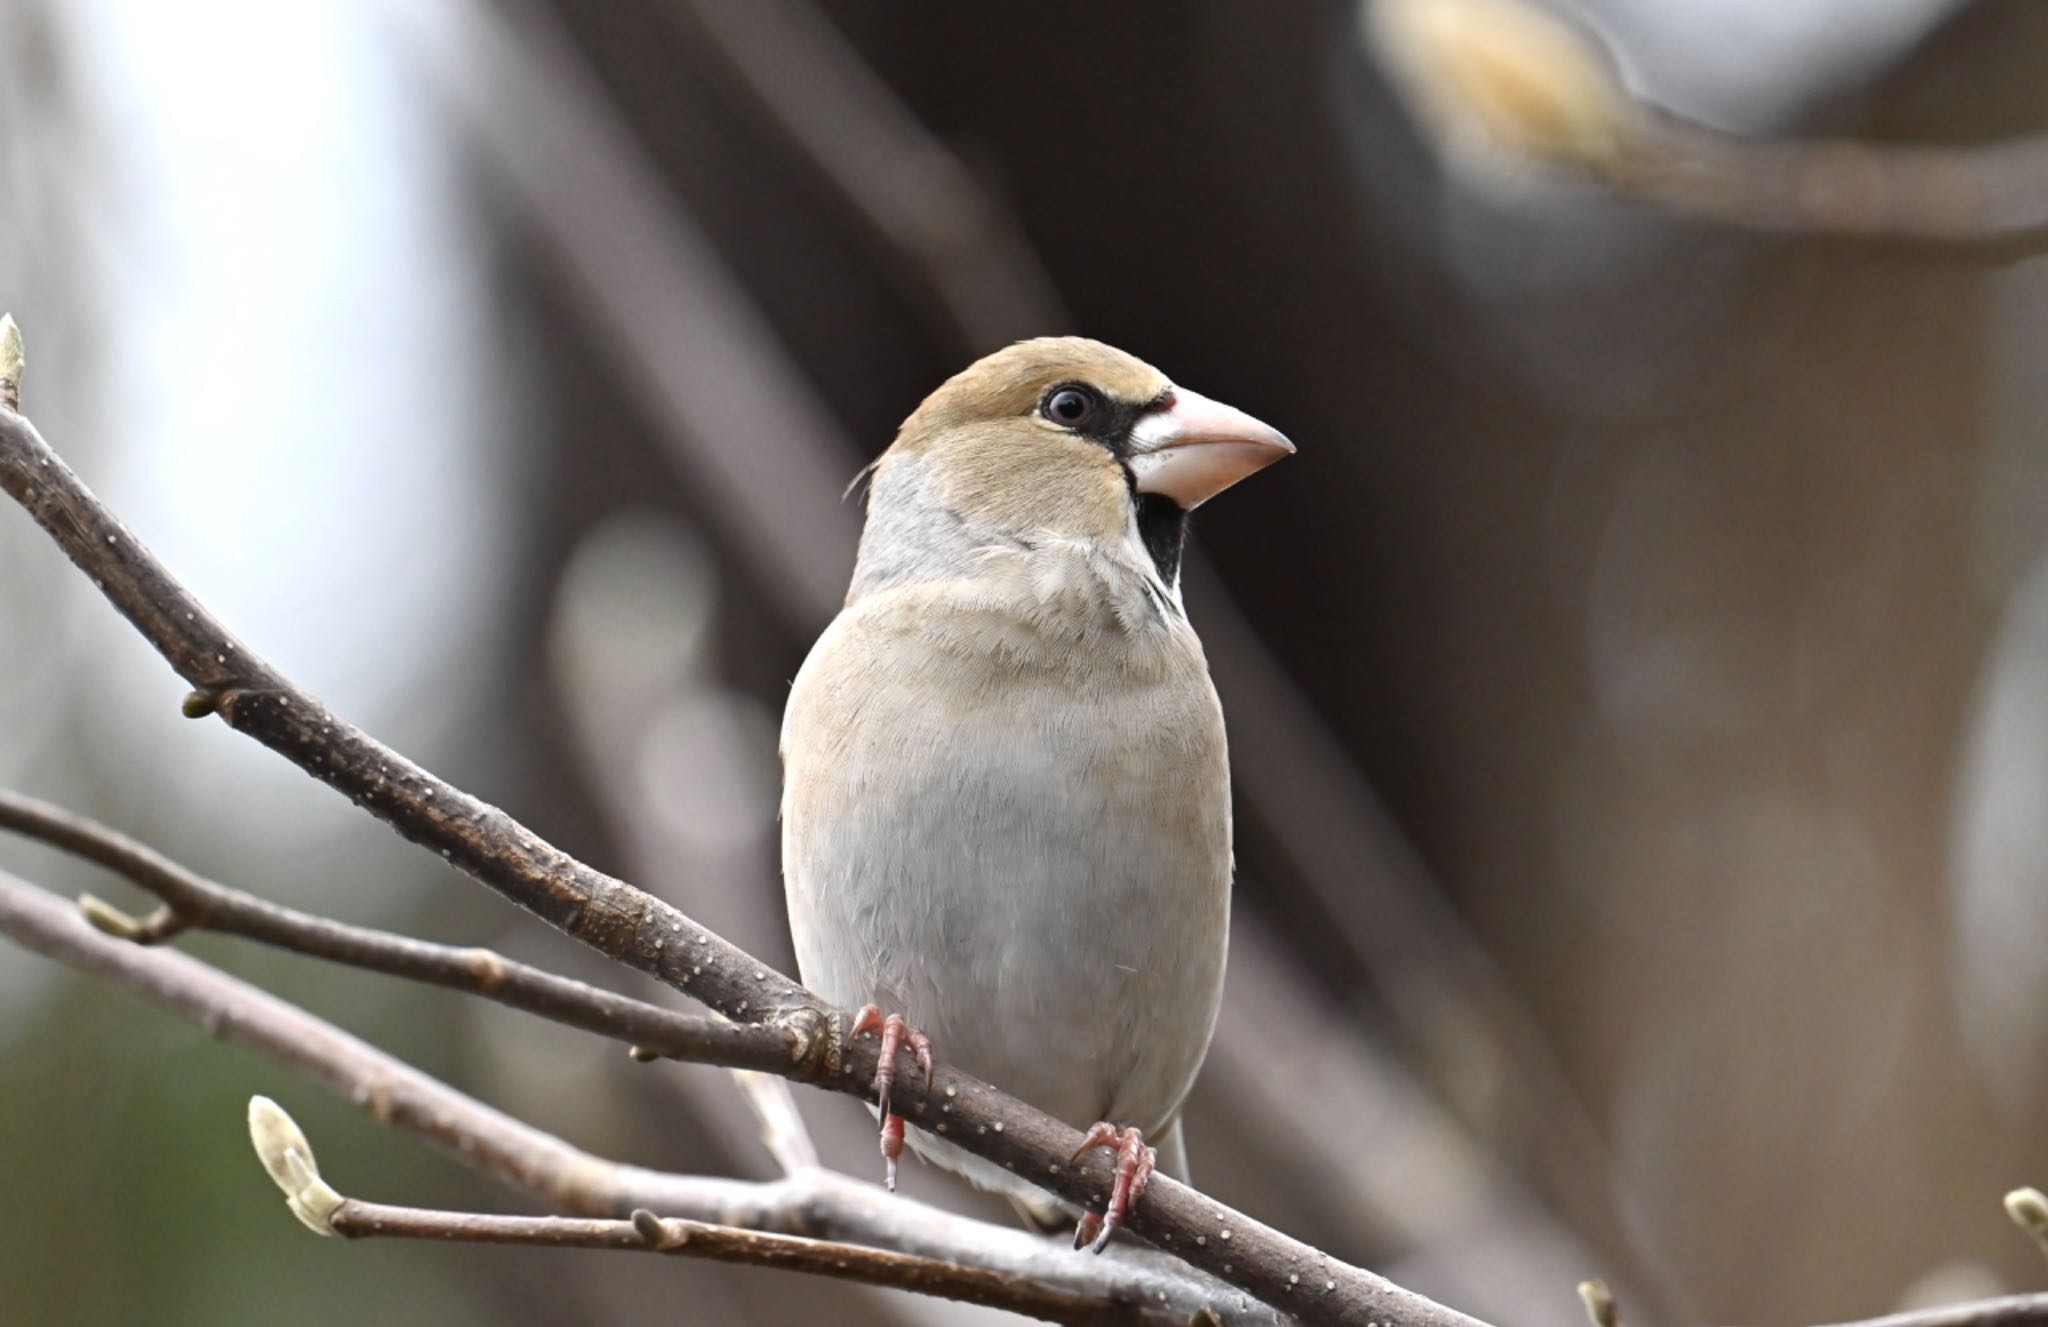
x: 895, y: 1032
x: 1134, y: 1165
x: 892, y: 1148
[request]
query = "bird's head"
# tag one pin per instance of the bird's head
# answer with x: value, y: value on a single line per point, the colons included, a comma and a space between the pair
x: 1061, y: 436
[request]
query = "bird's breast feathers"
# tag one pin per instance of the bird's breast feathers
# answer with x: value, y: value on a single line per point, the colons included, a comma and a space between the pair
x: 1039, y: 636
x: 975, y: 782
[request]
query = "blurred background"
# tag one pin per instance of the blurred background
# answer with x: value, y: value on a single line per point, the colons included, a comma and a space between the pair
x: 1638, y: 684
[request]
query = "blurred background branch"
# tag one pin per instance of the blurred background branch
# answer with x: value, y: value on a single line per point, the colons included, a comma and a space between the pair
x: 1503, y: 83
x: 961, y: 252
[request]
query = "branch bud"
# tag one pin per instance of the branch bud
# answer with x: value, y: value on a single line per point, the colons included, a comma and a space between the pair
x: 154, y: 929
x: 12, y: 357
x: 288, y: 1157
x: 659, y: 1235
x: 1601, y: 1307
x: 2029, y: 1211
x: 110, y: 920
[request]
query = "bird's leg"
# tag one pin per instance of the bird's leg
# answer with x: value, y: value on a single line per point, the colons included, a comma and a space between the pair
x: 1134, y: 1164
x: 895, y: 1032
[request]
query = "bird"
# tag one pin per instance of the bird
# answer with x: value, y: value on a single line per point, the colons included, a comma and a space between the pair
x: 1006, y: 827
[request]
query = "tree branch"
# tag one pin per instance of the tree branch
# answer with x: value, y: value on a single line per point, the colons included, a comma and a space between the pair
x: 288, y: 1157
x: 1508, y: 82
x: 2006, y: 1311
x: 1126, y: 1285
x: 675, y: 1236
x: 813, y: 1203
x: 623, y: 923
x: 642, y: 932
x: 782, y: 1128
x: 1989, y: 194
x: 193, y: 901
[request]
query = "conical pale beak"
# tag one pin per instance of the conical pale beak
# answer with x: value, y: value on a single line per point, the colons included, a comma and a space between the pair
x: 1193, y: 448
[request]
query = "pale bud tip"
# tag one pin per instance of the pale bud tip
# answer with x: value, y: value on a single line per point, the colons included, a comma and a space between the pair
x: 1600, y: 1304
x: 108, y: 919
x: 288, y: 1158
x: 12, y: 357
x: 1506, y: 76
x: 2029, y: 1210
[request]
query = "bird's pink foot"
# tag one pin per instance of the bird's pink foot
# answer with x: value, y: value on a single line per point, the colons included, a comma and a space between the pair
x: 1134, y: 1165
x: 895, y: 1033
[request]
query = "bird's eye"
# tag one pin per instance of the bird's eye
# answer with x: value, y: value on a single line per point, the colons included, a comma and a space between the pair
x: 1072, y: 407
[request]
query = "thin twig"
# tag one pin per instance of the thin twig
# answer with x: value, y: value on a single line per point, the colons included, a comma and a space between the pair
x: 814, y: 1203
x: 782, y: 1128
x: 680, y: 1237
x: 193, y: 901
x: 2007, y: 1311
x: 287, y: 1156
x: 644, y: 933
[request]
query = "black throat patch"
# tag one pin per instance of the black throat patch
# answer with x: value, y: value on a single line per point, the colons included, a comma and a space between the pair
x: 1163, y: 527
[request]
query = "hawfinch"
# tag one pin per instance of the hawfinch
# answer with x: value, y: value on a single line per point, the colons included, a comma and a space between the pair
x: 1006, y: 799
